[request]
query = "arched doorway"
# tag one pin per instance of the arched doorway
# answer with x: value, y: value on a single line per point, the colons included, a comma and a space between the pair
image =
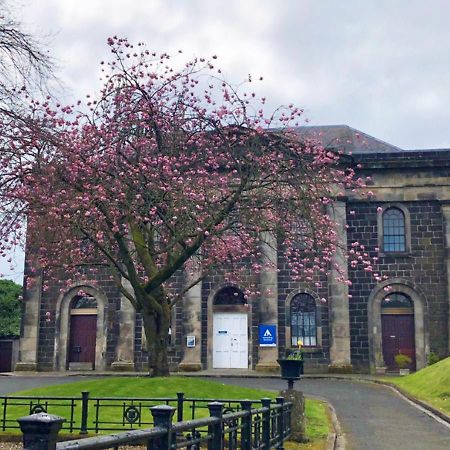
x: 83, y: 332
x: 230, y: 329
x: 397, y: 325
x: 420, y: 315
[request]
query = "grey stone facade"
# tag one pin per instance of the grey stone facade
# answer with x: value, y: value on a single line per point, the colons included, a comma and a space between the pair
x: 348, y: 319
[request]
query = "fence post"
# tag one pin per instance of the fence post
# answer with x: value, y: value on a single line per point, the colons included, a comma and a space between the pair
x: 180, y: 403
x: 40, y: 431
x: 162, y: 418
x: 280, y: 423
x: 84, y: 411
x: 266, y: 422
x: 215, y: 430
x: 246, y: 433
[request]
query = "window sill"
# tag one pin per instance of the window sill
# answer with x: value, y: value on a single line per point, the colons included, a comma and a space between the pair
x: 315, y: 349
x: 395, y: 254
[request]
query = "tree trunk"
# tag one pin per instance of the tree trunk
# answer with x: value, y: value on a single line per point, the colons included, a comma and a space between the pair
x: 156, y: 327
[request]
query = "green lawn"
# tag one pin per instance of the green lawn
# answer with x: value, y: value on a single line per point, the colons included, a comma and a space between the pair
x: 317, y: 421
x: 431, y: 384
x: 109, y: 413
x: 151, y: 387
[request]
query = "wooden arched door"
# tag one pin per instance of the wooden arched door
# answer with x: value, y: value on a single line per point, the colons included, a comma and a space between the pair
x: 83, y: 333
x: 397, y: 324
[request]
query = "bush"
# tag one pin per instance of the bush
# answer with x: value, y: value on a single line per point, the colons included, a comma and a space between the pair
x: 402, y: 361
x: 10, y: 310
x: 433, y: 358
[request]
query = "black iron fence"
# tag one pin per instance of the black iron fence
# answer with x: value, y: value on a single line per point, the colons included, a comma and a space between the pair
x: 87, y: 414
x: 264, y: 427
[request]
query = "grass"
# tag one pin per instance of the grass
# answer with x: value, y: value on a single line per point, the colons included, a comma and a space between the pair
x: 431, y: 384
x: 317, y: 420
x: 150, y: 387
x: 110, y: 412
x: 316, y: 412
x: 317, y: 427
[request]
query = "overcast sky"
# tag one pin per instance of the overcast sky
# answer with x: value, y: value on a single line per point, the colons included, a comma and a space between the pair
x: 380, y: 66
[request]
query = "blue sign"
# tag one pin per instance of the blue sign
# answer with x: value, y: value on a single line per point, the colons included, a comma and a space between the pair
x: 267, y: 335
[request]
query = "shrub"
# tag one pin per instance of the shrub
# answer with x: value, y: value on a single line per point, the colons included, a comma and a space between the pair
x: 402, y: 361
x: 10, y: 310
x: 433, y: 358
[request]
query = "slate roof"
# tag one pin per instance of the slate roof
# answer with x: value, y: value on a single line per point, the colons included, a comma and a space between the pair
x: 343, y: 137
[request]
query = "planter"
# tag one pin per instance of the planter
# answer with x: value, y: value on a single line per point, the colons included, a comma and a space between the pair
x: 403, y: 372
x: 380, y: 370
x: 291, y: 368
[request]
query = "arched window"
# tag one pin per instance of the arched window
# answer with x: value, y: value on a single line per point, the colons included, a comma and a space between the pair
x: 230, y: 295
x: 83, y: 301
x: 394, y: 233
x: 303, y: 320
x: 397, y: 303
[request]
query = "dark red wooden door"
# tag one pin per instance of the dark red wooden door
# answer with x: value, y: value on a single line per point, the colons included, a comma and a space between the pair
x: 398, y: 337
x: 5, y: 356
x: 83, y: 332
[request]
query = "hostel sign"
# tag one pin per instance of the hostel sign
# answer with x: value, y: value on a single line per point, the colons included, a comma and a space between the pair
x: 267, y: 335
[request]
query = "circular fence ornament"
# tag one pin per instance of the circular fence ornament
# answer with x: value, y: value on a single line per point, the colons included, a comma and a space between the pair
x: 131, y: 414
x: 38, y: 408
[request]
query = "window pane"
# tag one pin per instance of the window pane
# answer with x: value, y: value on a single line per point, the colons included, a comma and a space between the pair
x: 230, y: 296
x: 397, y: 300
x: 84, y: 301
x: 303, y: 320
x: 394, y: 231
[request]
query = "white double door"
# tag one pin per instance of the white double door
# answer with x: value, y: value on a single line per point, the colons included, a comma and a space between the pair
x: 230, y: 341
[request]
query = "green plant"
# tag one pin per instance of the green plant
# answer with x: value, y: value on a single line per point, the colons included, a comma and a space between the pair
x: 9, y: 308
x: 402, y: 361
x: 294, y: 355
x: 433, y: 358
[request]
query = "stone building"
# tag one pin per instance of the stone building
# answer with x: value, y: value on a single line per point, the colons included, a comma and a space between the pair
x: 405, y: 224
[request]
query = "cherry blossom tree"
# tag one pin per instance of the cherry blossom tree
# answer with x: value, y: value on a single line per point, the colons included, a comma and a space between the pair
x: 166, y: 170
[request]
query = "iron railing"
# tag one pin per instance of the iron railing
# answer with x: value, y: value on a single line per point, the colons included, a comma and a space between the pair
x: 265, y: 427
x: 87, y: 414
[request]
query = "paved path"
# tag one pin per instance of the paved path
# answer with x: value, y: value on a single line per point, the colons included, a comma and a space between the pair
x: 373, y: 417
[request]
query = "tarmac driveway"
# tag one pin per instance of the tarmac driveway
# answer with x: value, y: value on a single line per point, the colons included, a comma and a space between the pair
x: 372, y: 416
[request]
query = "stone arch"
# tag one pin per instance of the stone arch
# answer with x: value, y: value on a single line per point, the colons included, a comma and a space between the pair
x: 62, y: 325
x: 210, y: 318
x: 288, y: 300
x: 421, y: 334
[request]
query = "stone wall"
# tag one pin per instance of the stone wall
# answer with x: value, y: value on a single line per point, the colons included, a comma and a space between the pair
x: 101, y: 279
x: 316, y: 359
x: 210, y: 285
x: 424, y: 267
x: 415, y: 180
